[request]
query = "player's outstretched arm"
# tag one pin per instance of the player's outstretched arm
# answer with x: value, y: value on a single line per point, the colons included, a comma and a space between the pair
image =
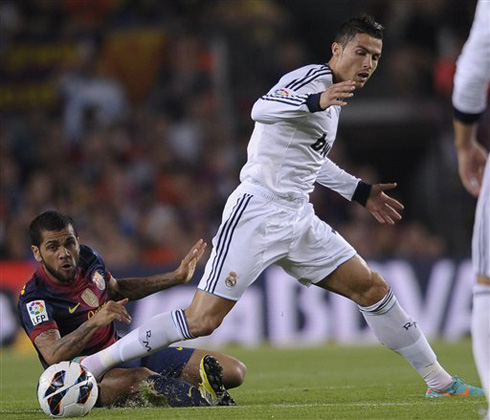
x: 140, y: 287
x: 384, y: 208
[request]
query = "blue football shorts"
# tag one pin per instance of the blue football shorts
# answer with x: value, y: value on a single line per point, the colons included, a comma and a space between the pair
x: 169, y: 362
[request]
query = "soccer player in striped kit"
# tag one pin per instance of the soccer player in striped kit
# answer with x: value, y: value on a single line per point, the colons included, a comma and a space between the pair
x: 471, y: 83
x: 268, y: 218
x: 69, y: 306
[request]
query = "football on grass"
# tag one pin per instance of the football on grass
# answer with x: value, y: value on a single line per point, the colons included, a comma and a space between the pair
x: 67, y: 389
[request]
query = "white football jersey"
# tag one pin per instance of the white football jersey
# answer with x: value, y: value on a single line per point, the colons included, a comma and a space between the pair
x: 288, y: 148
x: 473, y: 65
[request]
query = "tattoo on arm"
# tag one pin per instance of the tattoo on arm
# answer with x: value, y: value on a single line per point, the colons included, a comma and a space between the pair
x: 140, y: 287
x: 55, y: 348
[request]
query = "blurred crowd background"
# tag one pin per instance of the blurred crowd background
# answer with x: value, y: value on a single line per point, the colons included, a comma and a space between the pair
x: 134, y: 117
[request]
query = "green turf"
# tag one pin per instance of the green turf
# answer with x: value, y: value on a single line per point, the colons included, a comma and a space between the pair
x: 330, y: 382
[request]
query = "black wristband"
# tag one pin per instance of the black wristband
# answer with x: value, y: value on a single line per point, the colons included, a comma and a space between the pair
x: 466, y: 118
x: 361, y: 194
x: 313, y: 102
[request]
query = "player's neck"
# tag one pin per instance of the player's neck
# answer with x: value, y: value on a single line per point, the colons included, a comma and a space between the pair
x: 333, y: 67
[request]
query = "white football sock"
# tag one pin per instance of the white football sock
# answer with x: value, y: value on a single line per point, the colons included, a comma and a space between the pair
x: 400, y: 333
x: 480, y: 333
x: 154, y: 335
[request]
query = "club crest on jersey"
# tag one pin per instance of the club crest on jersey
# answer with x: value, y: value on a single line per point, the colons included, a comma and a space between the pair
x: 89, y: 298
x: 283, y: 93
x: 231, y: 280
x: 98, y: 279
x: 37, y: 311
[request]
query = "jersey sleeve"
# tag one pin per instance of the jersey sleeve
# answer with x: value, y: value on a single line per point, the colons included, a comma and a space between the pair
x: 473, y: 67
x: 36, y: 316
x: 281, y: 104
x: 338, y: 180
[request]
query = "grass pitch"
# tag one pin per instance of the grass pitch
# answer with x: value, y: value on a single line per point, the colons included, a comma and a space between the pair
x: 329, y: 382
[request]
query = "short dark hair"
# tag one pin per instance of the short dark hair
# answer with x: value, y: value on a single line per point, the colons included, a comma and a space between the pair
x: 49, y: 220
x: 364, y: 24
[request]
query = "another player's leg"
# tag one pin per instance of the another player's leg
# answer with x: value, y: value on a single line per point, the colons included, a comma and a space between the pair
x: 236, y: 248
x: 203, y: 316
x: 480, y: 322
x: 392, y: 326
x: 233, y: 369
x: 120, y: 384
x: 480, y: 332
x: 154, y: 335
x: 164, y: 390
x: 141, y: 386
x: 211, y: 386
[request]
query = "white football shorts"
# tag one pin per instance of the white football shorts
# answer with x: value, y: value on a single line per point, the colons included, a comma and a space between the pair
x: 259, y: 229
x: 481, y: 229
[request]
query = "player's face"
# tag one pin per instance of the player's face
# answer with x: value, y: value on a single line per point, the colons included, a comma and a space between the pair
x: 59, y: 253
x: 357, y: 60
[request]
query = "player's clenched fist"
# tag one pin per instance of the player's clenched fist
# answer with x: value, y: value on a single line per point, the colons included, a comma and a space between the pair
x: 337, y: 94
x: 111, y: 311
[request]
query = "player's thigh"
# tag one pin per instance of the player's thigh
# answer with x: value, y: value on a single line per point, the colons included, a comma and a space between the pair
x: 242, y: 245
x: 233, y: 369
x: 317, y: 252
x: 170, y: 361
x: 356, y: 281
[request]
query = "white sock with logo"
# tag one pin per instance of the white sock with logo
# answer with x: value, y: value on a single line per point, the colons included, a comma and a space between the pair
x: 480, y: 333
x: 154, y: 335
x: 400, y: 333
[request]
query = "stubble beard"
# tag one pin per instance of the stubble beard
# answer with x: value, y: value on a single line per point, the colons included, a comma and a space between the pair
x: 66, y: 279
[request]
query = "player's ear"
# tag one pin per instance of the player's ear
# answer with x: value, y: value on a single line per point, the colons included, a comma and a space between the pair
x: 36, y: 253
x: 336, y: 49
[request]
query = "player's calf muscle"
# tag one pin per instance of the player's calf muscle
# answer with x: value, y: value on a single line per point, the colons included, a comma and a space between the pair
x: 206, y: 312
x: 117, y: 384
x: 203, y: 325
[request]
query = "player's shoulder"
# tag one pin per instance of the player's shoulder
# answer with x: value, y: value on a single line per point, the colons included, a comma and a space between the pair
x: 301, y: 77
x: 92, y: 266
x: 89, y: 258
x: 32, y: 289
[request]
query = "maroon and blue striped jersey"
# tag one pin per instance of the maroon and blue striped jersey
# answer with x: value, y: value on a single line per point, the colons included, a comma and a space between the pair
x: 45, y: 305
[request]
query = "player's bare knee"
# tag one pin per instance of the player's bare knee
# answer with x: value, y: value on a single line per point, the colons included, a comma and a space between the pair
x: 234, y: 374
x: 238, y: 375
x: 375, y: 289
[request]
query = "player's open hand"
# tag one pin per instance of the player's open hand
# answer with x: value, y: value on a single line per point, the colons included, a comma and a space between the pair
x: 384, y: 208
x: 337, y: 94
x: 471, y: 163
x: 111, y: 311
x: 188, y: 265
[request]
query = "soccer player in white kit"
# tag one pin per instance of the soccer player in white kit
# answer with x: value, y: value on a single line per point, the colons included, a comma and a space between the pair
x: 268, y: 218
x: 471, y: 83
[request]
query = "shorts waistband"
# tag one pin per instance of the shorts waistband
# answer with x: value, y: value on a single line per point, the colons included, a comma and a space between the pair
x: 260, y: 191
